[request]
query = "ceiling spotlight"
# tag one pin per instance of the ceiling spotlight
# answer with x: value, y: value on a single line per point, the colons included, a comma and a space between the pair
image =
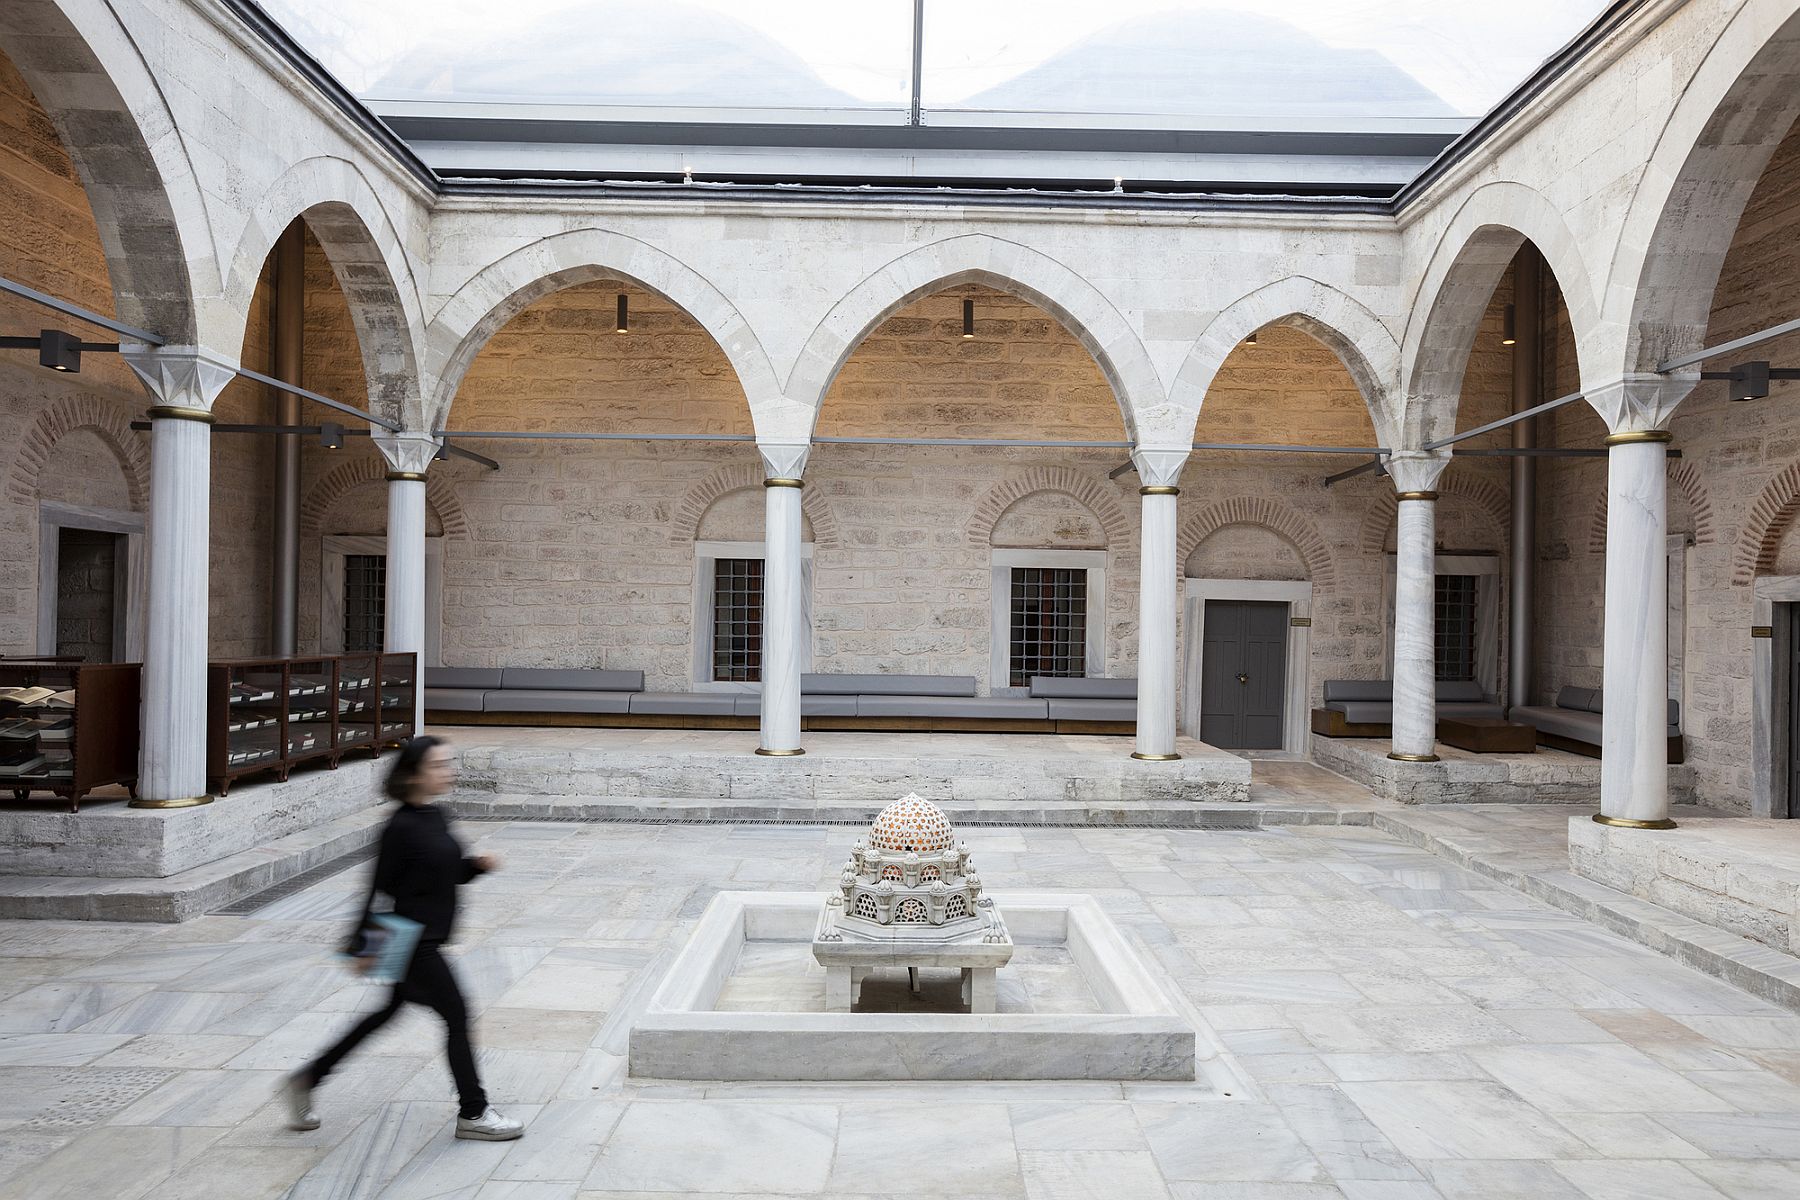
x: 1251, y: 340
x: 623, y: 325
x: 331, y: 435
x: 443, y: 451
x: 968, y: 318
x: 1510, y: 333
x: 1750, y: 381
x: 59, y: 351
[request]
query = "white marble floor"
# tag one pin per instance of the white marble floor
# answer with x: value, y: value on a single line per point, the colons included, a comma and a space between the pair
x: 1400, y: 1030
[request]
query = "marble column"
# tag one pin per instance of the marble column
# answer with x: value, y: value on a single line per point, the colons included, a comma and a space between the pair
x: 408, y: 456
x: 184, y: 381
x: 1415, y: 474
x: 1634, y: 760
x: 1158, y: 470
x: 783, y: 597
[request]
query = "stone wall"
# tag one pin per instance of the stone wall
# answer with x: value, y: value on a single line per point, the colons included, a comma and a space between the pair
x: 1733, y: 455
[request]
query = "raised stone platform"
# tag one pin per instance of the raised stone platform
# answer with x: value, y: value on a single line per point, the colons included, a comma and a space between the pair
x: 1461, y: 777
x: 1733, y: 873
x: 839, y: 768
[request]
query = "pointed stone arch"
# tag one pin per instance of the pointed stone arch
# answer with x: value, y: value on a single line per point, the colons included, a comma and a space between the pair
x: 1683, y: 479
x: 1099, y: 498
x: 1009, y: 267
x: 346, y: 477
x: 65, y: 417
x: 1491, y: 500
x: 1765, y: 525
x: 684, y: 523
x: 1263, y: 513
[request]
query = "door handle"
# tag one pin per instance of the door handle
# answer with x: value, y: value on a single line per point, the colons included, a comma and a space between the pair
x: 1243, y: 678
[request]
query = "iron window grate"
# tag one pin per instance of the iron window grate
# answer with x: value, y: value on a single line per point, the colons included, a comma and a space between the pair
x: 1048, y: 610
x: 1455, y: 612
x: 737, y: 619
x: 365, y: 601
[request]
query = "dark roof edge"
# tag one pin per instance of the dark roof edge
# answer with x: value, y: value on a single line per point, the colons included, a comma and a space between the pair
x: 1553, y: 69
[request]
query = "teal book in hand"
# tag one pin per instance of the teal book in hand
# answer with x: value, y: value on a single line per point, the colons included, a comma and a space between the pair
x: 394, y: 940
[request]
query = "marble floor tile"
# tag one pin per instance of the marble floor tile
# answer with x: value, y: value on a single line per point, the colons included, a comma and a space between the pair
x: 1061, y: 1125
x: 1738, y: 1135
x: 1650, y: 1180
x: 562, y: 1141
x: 692, y: 1147
x: 1368, y: 1068
x: 448, y: 1166
x: 1091, y: 1175
x: 55, y: 1098
x: 175, y: 1051
x: 970, y: 1146
x: 117, y: 1162
x: 1340, y: 1136
x: 170, y: 1012
x: 65, y: 1005
x: 238, y: 1173
x: 1462, y: 1119
x: 1241, y: 1142
x: 1594, y: 1078
x: 1465, y: 1179
x: 60, y: 1049
x: 380, y: 1145
x: 202, y: 1098
x: 1627, y: 1135
x: 1749, y: 1180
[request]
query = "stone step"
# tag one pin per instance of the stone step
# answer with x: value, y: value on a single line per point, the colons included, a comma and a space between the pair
x: 193, y: 892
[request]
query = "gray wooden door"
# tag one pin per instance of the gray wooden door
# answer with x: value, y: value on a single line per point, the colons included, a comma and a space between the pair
x: 1793, y: 667
x: 1243, y: 674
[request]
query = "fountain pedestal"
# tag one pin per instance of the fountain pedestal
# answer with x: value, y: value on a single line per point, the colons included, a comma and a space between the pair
x: 849, y: 954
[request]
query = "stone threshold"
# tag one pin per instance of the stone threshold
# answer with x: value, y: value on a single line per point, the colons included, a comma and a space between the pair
x: 1764, y: 972
x: 193, y: 892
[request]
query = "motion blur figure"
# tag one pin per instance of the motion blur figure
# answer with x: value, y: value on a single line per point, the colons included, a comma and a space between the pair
x: 420, y: 865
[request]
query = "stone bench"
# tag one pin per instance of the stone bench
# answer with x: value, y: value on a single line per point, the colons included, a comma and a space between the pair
x: 1574, y: 723
x: 1365, y: 707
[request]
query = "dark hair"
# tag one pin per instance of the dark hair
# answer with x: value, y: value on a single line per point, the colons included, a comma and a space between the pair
x: 404, y: 774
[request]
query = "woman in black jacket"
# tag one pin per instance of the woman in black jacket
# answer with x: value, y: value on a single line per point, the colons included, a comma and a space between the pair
x: 420, y: 865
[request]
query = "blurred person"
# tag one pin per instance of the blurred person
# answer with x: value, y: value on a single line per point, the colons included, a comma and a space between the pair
x: 420, y: 864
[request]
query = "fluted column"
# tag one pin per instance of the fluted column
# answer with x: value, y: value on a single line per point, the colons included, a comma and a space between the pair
x: 408, y: 456
x: 1158, y: 470
x: 1634, y: 757
x: 184, y: 381
x: 783, y: 596
x: 1415, y: 474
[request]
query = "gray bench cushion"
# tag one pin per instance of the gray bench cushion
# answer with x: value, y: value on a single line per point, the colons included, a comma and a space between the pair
x: 979, y: 708
x: 1574, y: 723
x: 1578, y: 698
x: 554, y: 700
x: 1056, y: 688
x: 457, y: 699
x: 571, y: 679
x: 1365, y: 712
x: 478, y: 678
x: 887, y: 685
x: 685, y: 704
x: 810, y: 706
x: 1379, y: 690
x: 1478, y: 709
x: 1460, y: 691
x: 1092, y: 709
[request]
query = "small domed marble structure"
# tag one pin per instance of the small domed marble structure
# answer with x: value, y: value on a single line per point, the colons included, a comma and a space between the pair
x: 908, y: 896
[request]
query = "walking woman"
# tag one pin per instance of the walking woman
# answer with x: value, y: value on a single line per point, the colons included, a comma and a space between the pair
x: 420, y: 865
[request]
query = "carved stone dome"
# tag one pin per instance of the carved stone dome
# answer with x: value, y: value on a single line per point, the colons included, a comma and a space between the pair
x: 911, y: 823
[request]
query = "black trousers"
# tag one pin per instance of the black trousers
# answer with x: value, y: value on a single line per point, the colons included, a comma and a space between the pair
x: 430, y: 982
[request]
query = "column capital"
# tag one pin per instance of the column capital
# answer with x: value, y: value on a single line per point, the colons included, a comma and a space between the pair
x: 180, y: 377
x: 406, y: 453
x: 1159, y: 466
x: 1416, y: 470
x: 1639, y: 402
x: 784, y: 460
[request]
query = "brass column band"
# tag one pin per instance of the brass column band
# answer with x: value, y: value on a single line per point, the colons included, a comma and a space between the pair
x: 174, y: 412
x: 779, y: 753
x: 189, y: 802
x: 406, y: 477
x: 1399, y: 757
x: 1415, y: 495
x: 1628, y: 823
x: 793, y: 483
x: 1154, y: 757
x: 1642, y: 435
x: 1159, y: 491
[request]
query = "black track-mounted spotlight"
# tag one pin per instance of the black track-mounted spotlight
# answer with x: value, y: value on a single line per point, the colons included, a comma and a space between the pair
x: 623, y: 324
x: 1750, y: 381
x: 1251, y: 340
x: 1509, y: 333
x: 331, y: 435
x: 968, y: 318
x: 443, y: 451
x: 59, y: 351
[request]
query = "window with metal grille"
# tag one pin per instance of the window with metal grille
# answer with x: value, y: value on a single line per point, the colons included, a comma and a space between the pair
x: 1456, y: 627
x: 737, y: 619
x: 1049, y: 623
x: 365, y: 601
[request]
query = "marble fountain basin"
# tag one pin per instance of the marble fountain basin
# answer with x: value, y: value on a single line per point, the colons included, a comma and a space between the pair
x: 1138, y: 1034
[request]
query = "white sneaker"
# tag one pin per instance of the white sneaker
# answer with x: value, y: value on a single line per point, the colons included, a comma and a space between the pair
x: 298, y: 1094
x: 490, y: 1126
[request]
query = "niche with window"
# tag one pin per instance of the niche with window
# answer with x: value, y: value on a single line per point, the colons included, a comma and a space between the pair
x: 1048, y: 614
x: 1466, y: 612
x: 729, y: 614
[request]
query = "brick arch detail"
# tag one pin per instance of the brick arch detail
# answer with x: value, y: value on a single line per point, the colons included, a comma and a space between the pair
x: 1099, y: 499
x: 1765, y: 525
x: 351, y: 475
x: 1264, y: 513
x: 65, y: 417
x: 684, y: 525
x: 1491, y: 500
x: 1682, y: 478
